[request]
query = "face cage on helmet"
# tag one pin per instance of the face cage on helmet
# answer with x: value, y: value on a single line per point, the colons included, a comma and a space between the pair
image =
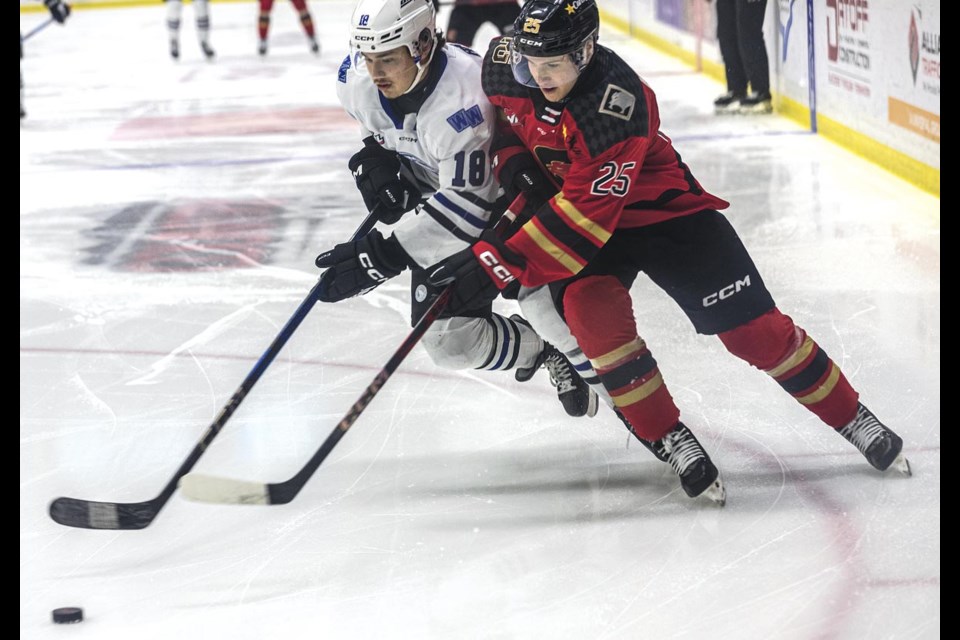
x: 521, y: 68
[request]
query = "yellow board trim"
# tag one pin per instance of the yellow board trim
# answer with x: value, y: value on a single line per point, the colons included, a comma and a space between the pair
x: 109, y: 4
x: 896, y: 162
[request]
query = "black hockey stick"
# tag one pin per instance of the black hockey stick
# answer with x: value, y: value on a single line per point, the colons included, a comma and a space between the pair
x: 91, y: 514
x: 204, y: 488
x: 37, y: 29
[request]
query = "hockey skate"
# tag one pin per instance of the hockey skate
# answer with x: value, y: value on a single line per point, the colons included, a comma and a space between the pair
x: 756, y: 103
x: 881, y: 447
x: 698, y: 475
x: 174, y: 49
x: 576, y: 396
x: 314, y: 47
x: 207, y: 50
x: 728, y: 103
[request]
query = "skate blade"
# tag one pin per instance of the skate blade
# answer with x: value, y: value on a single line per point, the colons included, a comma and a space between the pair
x: 593, y: 404
x: 727, y: 111
x: 715, y: 493
x: 902, y: 465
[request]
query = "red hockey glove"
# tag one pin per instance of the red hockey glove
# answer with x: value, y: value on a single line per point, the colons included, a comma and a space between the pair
x: 478, y: 273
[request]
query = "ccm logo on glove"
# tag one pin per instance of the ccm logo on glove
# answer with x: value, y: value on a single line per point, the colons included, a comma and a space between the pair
x: 367, y: 262
x: 489, y: 260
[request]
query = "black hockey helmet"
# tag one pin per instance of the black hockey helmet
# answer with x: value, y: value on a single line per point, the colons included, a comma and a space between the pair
x: 547, y: 28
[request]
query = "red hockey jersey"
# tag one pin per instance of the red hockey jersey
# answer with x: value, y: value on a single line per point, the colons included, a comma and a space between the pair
x: 603, y: 147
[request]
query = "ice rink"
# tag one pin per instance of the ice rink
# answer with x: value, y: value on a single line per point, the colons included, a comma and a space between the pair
x: 170, y: 214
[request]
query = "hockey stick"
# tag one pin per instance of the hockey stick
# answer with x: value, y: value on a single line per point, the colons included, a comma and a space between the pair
x: 91, y: 514
x: 37, y: 29
x: 204, y: 488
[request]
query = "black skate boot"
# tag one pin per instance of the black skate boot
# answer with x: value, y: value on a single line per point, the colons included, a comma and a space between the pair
x: 174, y: 49
x: 728, y: 102
x: 314, y: 47
x: 262, y: 47
x: 576, y: 396
x: 207, y: 50
x: 879, y: 445
x: 756, y: 103
x: 698, y: 474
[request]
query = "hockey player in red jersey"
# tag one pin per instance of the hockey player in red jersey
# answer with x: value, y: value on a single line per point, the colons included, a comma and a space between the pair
x: 426, y: 130
x: 581, y: 131
x: 306, y: 21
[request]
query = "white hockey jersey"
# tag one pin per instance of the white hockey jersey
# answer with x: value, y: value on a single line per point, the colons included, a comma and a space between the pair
x: 446, y: 144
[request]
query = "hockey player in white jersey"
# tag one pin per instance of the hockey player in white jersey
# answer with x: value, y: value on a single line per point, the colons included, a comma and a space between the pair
x: 426, y: 128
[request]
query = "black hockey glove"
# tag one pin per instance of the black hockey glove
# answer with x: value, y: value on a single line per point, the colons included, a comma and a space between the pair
x: 354, y: 268
x: 376, y: 171
x: 59, y: 10
x: 474, y: 283
x: 522, y: 174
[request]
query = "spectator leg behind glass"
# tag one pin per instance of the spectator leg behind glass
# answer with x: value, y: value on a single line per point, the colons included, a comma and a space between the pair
x: 744, y: 52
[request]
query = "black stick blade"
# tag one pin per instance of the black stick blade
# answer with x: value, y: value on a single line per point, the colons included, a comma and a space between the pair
x: 88, y: 514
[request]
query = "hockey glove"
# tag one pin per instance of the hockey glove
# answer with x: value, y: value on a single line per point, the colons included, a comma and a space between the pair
x: 354, y: 268
x: 522, y: 174
x: 376, y: 171
x: 478, y: 273
x: 59, y: 10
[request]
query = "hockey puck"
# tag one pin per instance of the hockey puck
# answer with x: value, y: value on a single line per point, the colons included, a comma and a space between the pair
x: 68, y: 615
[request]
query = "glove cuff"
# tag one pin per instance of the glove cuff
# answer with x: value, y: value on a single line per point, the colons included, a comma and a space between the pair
x: 390, y: 252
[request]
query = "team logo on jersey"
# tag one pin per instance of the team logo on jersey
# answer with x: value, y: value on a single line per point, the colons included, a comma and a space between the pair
x: 501, y: 52
x: 344, y: 68
x: 466, y: 118
x: 618, y: 102
x: 532, y: 25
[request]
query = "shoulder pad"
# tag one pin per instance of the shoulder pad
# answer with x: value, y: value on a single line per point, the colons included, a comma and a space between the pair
x: 614, y: 109
x: 497, y: 75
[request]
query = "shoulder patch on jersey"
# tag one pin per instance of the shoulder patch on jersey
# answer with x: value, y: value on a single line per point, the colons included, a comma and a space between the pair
x: 612, y: 110
x: 466, y: 119
x: 501, y: 52
x: 497, y: 77
x: 344, y: 68
x: 617, y: 102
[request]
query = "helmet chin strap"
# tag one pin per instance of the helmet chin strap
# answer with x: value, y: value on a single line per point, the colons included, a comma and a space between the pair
x: 585, y: 55
x: 422, y: 66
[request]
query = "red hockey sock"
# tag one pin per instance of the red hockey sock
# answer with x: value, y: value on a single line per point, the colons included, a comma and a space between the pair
x: 599, y: 313
x: 263, y: 22
x: 786, y: 353
x: 305, y: 19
